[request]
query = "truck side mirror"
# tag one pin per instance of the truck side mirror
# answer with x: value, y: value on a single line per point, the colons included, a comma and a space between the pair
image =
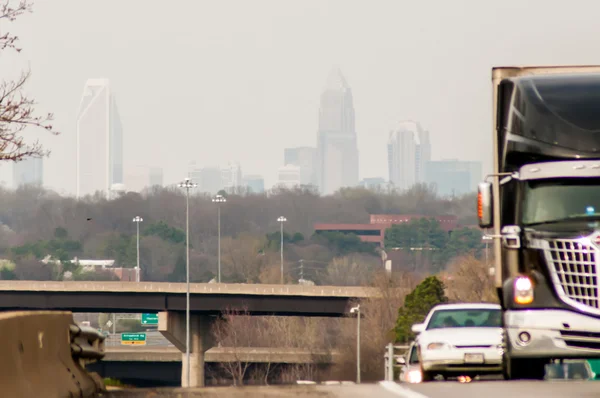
x: 484, y: 205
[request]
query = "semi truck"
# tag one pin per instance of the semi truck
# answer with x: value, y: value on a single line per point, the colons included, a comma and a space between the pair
x: 541, y: 206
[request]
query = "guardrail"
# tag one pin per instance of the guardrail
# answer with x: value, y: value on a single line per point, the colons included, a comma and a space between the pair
x: 43, y: 354
x: 389, y: 359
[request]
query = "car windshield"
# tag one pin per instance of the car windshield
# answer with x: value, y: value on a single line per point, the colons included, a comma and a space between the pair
x: 552, y: 200
x: 464, y: 318
x: 414, y: 356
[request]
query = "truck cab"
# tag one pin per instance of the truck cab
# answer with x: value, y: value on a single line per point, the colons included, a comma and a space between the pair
x: 543, y: 205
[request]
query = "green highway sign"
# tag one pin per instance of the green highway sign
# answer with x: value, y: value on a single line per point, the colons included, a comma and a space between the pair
x: 133, y: 338
x: 149, y: 319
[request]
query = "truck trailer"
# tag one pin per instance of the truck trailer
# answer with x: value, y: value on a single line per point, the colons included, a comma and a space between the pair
x: 541, y: 206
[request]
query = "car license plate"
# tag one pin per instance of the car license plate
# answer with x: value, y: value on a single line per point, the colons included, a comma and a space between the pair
x: 474, y: 358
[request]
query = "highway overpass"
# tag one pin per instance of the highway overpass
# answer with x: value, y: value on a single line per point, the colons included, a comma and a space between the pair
x: 161, y: 366
x: 169, y: 300
x: 205, y: 298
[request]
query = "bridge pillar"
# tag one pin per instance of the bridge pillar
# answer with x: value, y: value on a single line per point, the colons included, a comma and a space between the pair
x: 172, y: 326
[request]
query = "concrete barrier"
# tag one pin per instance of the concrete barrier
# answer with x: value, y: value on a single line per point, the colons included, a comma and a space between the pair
x: 42, y: 354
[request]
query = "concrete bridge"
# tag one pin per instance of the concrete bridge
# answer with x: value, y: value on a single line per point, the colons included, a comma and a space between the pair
x: 169, y: 300
x: 205, y: 298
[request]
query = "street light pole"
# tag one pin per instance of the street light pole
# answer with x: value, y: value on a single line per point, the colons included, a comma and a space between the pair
x: 218, y: 200
x: 281, y: 220
x: 357, y: 311
x: 137, y: 220
x: 187, y: 184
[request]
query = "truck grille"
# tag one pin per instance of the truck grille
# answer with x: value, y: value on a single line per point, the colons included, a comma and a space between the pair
x: 575, y: 272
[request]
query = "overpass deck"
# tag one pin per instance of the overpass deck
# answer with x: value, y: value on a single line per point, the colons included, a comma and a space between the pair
x: 205, y: 298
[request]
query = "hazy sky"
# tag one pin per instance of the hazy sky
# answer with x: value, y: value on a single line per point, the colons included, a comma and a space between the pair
x: 213, y: 81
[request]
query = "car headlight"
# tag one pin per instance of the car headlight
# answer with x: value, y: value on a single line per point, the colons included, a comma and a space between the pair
x: 414, y: 376
x: 523, y: 290
x: 436, y: 346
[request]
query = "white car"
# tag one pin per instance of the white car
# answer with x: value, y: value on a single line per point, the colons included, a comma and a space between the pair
x: 460, y: 340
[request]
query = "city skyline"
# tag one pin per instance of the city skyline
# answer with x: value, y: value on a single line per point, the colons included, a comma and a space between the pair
x: 222, y: 108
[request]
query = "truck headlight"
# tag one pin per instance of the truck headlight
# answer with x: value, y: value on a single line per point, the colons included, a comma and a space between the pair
x: 436, y: 346
x: 523, y: 290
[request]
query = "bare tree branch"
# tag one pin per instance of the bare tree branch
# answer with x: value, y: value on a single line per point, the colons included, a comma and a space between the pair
x: 17, y: 109
x: 11, y: 12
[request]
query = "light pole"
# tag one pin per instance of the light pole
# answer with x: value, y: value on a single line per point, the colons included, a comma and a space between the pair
x: 281, y: 220
x: 187, y: 184
x: 218, y: 200
x: 357, y: 311
x: 137, y: 220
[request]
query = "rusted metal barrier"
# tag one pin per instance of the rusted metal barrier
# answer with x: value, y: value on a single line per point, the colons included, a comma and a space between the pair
x: 43, y: 354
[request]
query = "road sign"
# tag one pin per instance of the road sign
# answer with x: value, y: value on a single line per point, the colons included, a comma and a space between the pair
x: 149, y: 319
x: 133, y: 338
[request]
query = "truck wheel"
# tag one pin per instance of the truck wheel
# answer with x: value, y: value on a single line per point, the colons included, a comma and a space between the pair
x: 523, y: 368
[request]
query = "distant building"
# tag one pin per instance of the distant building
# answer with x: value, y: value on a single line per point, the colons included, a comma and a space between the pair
x: 288, y: 176
x: 209, y: 179
x: 409, y: 150
x: 155, y: 177
x: 453, y: 177
x: 336, y: 143
x: 99, y: 140
x: 231, y: 176
x: 254, y: 183
x: 373, y: 183
x: 28, y: 172
x: 306, y: 159
x: 374, y: 232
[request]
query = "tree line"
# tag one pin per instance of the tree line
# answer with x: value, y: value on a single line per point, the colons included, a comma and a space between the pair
x: 35, y: 223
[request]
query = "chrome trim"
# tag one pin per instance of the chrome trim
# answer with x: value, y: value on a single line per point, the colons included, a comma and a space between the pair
x: 574, y: 266
x: 559, y: 169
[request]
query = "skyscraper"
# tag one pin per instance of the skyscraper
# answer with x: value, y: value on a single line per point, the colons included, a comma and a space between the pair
x: 453, y: 177
x: 28, y: 172
x: 409, y: 150
x: 99, y: 140
x: 337, y: 149
x: 306, y: 159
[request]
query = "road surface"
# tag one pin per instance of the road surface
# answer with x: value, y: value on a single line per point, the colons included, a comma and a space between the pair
x: 484, y: 389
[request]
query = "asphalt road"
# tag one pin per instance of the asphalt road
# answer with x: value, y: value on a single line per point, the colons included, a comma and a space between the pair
x: 484, y: 389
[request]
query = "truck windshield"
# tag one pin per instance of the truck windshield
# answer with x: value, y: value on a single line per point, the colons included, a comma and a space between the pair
x: 561, y: 199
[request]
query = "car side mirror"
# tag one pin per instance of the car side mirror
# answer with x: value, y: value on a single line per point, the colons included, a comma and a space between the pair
x: 417, y: 328
x: 484, y: 205
x: 401, y: 361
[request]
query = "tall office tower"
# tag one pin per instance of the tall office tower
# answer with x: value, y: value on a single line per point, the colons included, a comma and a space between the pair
x: 28, y: 172
x: 99, y: 141
x: 409, y: 150
x: 231, y: 176
x: 337, y: 148
x: 306, y: 159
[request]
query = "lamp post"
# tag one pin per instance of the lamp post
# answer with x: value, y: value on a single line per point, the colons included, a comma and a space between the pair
x: 187, y: 184
x: 137, y: 220
x: 281, y: 220
x: 357, y: 311
x: 218, y: 200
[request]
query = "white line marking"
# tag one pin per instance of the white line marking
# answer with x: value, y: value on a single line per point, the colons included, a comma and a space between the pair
x: 404, y: 392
